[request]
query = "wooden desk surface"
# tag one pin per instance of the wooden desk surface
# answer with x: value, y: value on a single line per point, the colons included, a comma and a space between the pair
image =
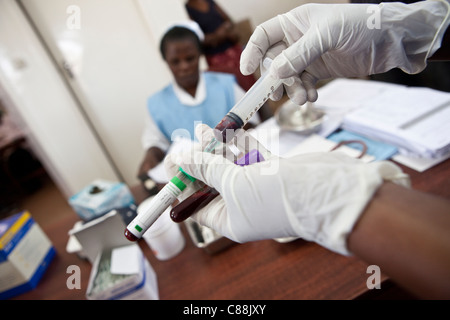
x: 256, y: 270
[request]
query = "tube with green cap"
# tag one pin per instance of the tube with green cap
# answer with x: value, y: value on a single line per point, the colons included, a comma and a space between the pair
x: 148, y: 214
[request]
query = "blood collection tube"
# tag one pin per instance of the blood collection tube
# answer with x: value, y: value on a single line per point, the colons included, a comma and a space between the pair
x: 148, y: 214
x: 195, y: 202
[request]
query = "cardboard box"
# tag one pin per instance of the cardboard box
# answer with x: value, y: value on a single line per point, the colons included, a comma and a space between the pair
x: 99, y: 230
x: 25, y: 253
x: 122, y: 274
x: 100, y: 197
x: 101, y: 234
x: 130, y: 274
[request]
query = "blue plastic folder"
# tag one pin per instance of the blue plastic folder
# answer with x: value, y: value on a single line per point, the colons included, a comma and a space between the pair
x: 380, y: 150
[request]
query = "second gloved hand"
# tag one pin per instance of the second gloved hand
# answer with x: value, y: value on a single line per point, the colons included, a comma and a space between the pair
x: 321, y: 41
x: 317, y: 197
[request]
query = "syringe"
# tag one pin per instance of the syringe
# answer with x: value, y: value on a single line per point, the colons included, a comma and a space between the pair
x: 224, y: 132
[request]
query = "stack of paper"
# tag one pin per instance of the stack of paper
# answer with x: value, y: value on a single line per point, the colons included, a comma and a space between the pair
x: 414, y: 119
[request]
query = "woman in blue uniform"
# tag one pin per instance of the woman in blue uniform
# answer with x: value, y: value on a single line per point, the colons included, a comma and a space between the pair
x: 192, y: 97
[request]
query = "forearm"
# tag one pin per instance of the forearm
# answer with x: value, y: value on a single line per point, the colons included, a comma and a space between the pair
x: 213, y: 39
x: 152, y: 158
x: 224, y: 33
x: 406, y: 233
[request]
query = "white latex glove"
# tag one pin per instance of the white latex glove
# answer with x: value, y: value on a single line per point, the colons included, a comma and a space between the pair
x: 317, y: 196
x: 242, y: 143
x: 324, y: 41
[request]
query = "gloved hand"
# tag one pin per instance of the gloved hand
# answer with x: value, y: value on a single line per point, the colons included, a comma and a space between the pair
x: 321, y: 41
x: 242, y: 143
x: 243, y: 149
x: 317, y: 196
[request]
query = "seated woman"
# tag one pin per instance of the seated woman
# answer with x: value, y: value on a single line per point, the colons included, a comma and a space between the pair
x: 192, y: 97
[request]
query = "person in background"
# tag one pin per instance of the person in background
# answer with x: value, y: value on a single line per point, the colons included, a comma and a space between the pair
x: 221, y: 44
x: 367, y: 210
x: 193, y: 96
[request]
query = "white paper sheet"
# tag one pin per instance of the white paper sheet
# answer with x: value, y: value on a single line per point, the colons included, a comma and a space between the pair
x: 126, y: 260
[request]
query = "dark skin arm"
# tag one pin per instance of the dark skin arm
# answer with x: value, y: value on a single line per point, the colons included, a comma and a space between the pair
x: 226, y: 31
x: 406, y: 233
x: 152, y: 158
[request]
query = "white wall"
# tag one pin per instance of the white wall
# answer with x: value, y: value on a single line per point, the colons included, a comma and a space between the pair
x: 158, y: 15
x: 55, y: 126
x: 259, y: 11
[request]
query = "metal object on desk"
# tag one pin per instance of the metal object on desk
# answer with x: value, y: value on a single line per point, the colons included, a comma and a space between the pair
x: 304, y: 119
x: 206, y: 238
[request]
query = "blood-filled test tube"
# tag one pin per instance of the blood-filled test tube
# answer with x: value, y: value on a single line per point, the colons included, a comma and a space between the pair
x: 195, y: 202
x: 147, y: 215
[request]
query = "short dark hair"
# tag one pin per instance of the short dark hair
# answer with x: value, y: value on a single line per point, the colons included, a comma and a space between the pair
x: 176, y: 34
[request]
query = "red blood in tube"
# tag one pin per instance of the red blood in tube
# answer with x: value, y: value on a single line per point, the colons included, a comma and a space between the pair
x: 227, y: 126
x: 195, y: 202
x: 206, y: 194
x: 130, y: 236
